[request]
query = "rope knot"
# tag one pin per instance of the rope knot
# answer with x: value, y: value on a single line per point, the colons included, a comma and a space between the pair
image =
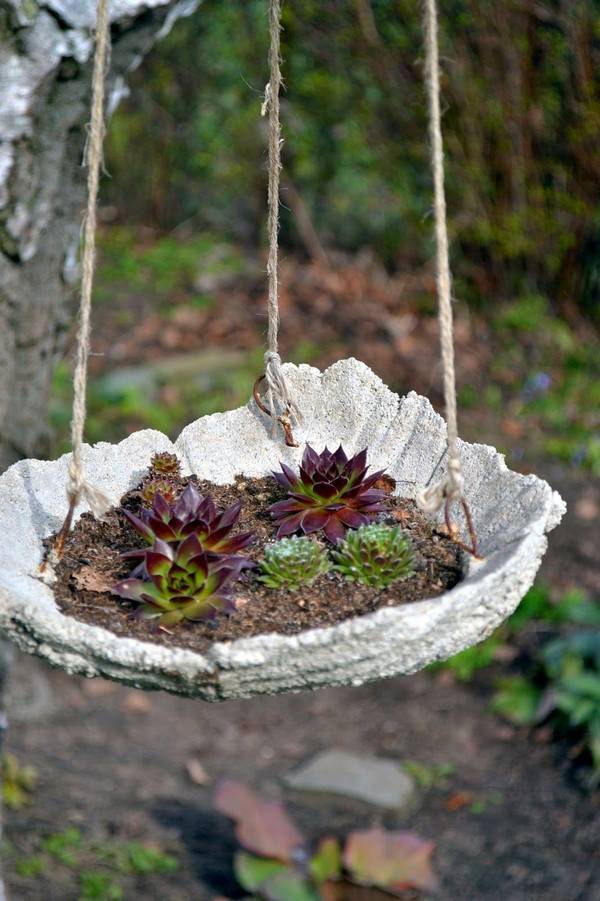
x: 278, y: 389
x: 450, y: 488
x: 80, y: 489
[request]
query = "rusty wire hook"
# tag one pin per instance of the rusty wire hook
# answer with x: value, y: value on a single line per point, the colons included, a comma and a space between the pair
x: 284, y: 419
x: 453, y: 529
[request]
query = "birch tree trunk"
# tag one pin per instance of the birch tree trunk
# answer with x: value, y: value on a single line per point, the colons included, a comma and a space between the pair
x: 45, y: 65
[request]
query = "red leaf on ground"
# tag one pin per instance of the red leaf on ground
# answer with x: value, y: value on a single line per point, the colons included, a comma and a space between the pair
x: 263, y: 827
x: 392, y: 860
x: 458, y: 800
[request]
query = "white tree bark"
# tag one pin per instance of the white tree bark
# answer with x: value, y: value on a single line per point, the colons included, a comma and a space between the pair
x: 45, y: 64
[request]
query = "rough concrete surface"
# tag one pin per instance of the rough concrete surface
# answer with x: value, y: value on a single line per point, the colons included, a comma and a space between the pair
x: 347, y: 403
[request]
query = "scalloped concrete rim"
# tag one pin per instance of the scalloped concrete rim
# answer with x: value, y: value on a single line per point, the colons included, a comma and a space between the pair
x: 346, y: 403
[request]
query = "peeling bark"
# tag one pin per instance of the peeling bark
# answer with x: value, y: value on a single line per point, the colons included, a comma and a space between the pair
x: 45, y: 64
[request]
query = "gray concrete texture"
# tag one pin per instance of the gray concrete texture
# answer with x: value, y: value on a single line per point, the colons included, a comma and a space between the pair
x: 345, y: 404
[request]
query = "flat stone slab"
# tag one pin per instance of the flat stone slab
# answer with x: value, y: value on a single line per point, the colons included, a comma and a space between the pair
x: 346, y: 404
x: 373, y: 780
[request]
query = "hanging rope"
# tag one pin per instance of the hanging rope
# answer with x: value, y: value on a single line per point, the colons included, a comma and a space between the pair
x: 450, y: 488
x: 278, y: 392
x: 78, y: 488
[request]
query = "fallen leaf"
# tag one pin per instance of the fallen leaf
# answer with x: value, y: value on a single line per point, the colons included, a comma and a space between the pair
x: 326, y: 863
x: 196, y: 772
x: 98, y: 688
x: 392, y: 860
x: 586, y: 508
x: 512, y: 428
x: 385, y: 483
x: 251, y: 872
x: 136, y: 702
x: 263, y: 827
x: 288, y: 885
x: 89, y: 579
x: 458, y: 800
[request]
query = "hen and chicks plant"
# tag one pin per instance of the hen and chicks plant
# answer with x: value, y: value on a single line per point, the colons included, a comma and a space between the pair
x: 181, y: 582
x: 192, y: 514
x: 188, y: 570
x: 292, y: 563
x: 331, y: 493
x: 377, y: 555
x: 192, y: 559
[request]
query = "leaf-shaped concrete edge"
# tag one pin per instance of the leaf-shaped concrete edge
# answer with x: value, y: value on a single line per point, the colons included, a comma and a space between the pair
x: 347, y: 403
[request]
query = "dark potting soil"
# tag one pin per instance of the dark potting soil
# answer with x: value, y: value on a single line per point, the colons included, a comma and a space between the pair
x: 92, y: 562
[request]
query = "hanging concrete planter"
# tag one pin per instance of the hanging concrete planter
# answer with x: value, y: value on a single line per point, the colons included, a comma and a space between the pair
x: 349, y: 404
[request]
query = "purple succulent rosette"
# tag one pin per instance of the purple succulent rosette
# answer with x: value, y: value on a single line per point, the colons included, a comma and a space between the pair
x: 192, y: 514
x: 331, y: 493
x: 182, y: 582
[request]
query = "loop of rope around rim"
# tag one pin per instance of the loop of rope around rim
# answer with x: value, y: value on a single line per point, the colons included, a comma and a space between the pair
x: 450, y: 488
x: 78, y: 488
x: 278, y: 394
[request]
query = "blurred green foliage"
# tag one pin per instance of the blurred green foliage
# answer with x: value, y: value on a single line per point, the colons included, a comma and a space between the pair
x: 97, y: 868
x: 18, y: 782
x: 536, y: 606
x: 552, y: 377
x: 522, y: 95
x: 117, y: 409
x: 559, y: 681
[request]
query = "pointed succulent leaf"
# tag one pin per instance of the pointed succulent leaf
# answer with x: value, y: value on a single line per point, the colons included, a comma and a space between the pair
x: 334, y: 529
x: 130, y: 589
x: 157, y: 564
x: 139, y: 525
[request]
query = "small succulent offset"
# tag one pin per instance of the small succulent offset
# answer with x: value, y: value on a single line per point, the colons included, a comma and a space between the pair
x: 169, y: 490
x: 182, y: 583
x: 165, y: 464
x: 191, y: 514
x: 331, y: 493
x: 375, y: 555
x: 292, y: 563
x: 163, y: 477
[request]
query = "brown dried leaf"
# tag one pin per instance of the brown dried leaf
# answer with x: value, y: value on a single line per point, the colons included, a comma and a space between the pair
x: 263, y: 827
x: 392, y: 860
x: 136, y: 702
x: 458, y: 800
x: 89, y: 579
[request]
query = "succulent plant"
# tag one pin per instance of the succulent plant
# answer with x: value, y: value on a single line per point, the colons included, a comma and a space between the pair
x: 376, y: 555
x: 191, y: 514
x: 163, y: 477
x: 181, y: 582
x: 169, y: 490
x: 165, y: 464
x: 332, y: 493
x: 292, y: 563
